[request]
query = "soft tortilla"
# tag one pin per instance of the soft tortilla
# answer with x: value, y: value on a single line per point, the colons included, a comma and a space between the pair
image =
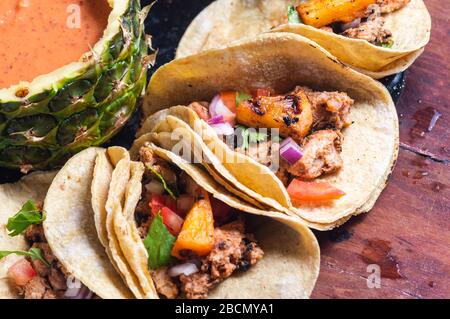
x: 286, y: 271
x: 12, y: 197
x: 282, y: 61
x: 225, y: 21
x: 119, y: 178
x: 70, y: 228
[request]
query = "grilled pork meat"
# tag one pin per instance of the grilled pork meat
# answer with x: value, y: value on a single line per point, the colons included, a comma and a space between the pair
x: 388, y: 6
x: 372, y: 30
x: 321, y: 155
x: 330, y: 109
x: 158, y: 165
x: 50, y: 281
x: 233, y: 250
x: 164, y: 284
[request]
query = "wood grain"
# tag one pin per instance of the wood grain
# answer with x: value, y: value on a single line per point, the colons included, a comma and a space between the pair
x: 408, y: 231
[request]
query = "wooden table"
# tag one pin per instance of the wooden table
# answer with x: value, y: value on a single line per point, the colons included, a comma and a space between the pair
x: 408, y: 232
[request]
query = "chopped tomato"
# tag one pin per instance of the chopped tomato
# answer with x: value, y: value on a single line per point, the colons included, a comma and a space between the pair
x: 171, y: 220
x: 197, y: 233
x: 262, y: 92
x: 157, y: 203
x: 300, y: 191
x: 21, y: 272
x: 221, y: 211
x: 229, y: 99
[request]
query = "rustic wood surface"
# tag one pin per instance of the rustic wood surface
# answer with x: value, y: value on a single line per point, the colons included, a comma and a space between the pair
x: 408, y: 232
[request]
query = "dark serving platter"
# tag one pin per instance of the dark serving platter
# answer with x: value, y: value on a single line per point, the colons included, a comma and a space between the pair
x: 166, y: 23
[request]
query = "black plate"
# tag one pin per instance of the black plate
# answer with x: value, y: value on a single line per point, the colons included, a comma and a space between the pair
x: 167, y: 22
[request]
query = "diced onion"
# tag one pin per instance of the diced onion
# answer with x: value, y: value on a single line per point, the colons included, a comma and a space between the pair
x: 186, y: 269
x: 216, y: 120
x: 218, y: 108
x: 223, y: 129
x: 155, y: 187
x: 290, y: 151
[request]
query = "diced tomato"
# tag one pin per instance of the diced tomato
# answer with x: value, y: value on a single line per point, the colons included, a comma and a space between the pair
x: 172, y: 220
x: 229, y: 99
x: 300, y: 191
x: 221, y: 211
x: 262, y: 92
x: 157, y: 203
x: 21, y: 272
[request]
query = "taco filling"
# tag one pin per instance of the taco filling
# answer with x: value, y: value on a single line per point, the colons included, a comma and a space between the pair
x: 309, y: 123
x: 38, y: 274
x: 194, y: 241
x: 357, y: 19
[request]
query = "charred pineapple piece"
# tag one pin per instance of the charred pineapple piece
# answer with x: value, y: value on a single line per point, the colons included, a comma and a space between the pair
x: 291, y: 114
x: 319, y: 13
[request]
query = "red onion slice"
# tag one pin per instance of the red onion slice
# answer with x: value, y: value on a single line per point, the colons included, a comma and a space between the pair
x: 216, y: 120
x: 290, y: 151
x: 353, y: 24
x: 218, y: 108
x: 186, y: 269
x: 223, y: 129
x: 78, y: 291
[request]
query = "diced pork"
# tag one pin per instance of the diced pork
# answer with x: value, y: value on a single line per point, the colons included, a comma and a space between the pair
x: 35, y: 234
x: 159, y: 165
x: 388, y: 6
x: 330, y: 109
x: 232, y: 250
x: 196, y: 286
x: 321, y: 155
x: 164, y: 284
x: 372, y: 30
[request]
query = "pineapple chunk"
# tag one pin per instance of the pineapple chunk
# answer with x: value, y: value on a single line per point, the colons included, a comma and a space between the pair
x: 319, y: 13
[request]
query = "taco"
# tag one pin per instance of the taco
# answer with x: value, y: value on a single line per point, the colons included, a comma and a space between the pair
x: 50, y: 250
x: 182, y: 235
x: 336, y: 138
x: 376, y: 37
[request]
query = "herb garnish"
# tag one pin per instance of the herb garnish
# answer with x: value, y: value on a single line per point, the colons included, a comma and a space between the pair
x: 293, y: 16
x: 159, y: 243
x: 33, y: 253
x: 28, y: 215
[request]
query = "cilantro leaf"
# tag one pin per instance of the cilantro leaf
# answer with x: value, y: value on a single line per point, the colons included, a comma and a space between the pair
x: 33, y: 253
x: 245, y: 136
x: 159, y: 243
x: 241, y: 97
x: 293, y: 16
x: 250, y: 136
x: 172, y: 193
x: 388, y: 44
x: 255, y: 136
x: 28, y: 215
